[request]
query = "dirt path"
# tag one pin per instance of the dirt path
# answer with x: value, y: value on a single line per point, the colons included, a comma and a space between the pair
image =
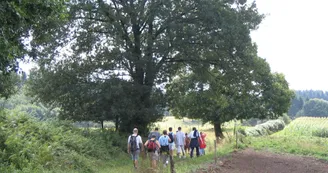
x: 250, y: 161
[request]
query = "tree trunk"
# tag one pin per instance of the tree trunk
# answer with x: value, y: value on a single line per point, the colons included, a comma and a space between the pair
x: 102, y: 124
x: 116, y: 123
x: 218, y: 130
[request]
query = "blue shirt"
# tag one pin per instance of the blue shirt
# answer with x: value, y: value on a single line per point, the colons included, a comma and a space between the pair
x: 163, y: 140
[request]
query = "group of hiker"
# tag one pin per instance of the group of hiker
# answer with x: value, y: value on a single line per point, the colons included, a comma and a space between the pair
x: 161, y: 146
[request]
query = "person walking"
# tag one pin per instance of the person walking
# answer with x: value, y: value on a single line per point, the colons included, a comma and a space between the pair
x: 171, y: 143
x: 156, y: 133
x: 194, y: 135
x: 180, y: 142
x: 202, y: 143
x: 152, y: 145
x: 164, y: 150
x: 135, y: 146
x: 187, y: 144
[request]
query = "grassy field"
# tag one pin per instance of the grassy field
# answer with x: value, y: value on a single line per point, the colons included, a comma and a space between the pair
x: 303, y: 136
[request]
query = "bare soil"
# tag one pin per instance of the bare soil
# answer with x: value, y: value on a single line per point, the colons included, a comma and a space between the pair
x: 251, y: 161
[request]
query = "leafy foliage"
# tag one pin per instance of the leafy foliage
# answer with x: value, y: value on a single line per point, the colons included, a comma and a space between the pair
x: 22, y: 103
x: 218, y: 98
x: 8, y: 84
x: 146, y: 42
x: 24, y: 25
x: 30, y: 145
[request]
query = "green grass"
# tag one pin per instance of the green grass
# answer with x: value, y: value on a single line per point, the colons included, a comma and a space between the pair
x: 308, y: 146
x: 124, y: 163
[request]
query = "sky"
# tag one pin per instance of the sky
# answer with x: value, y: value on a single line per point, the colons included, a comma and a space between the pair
x: 293, y: 39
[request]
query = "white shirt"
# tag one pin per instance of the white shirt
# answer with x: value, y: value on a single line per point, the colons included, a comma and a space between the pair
x: 191, y: 134
x: 180, y: 138
x: 138, y: 139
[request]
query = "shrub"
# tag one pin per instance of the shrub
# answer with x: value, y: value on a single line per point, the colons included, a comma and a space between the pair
x: 286, y: 119
x: 30, y: 145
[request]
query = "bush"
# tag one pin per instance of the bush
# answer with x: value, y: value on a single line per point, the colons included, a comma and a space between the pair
x: 29, y: 145
x: 286, y: 119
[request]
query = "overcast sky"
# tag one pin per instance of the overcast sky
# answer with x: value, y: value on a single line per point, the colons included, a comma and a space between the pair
x: 293, y: 39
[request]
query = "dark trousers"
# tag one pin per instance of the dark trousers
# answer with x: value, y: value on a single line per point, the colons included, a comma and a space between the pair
x: 192, y: 151
x: 194, y: 144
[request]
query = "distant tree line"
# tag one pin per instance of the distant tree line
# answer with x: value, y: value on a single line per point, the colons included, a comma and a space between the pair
x: 311, y: 94
x: 309, y: 103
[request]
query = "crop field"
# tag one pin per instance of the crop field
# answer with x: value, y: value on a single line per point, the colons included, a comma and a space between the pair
x: 303, y: 136
x: 306, y: 126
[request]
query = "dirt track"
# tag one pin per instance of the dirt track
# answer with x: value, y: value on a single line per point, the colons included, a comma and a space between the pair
x: 250, y: 161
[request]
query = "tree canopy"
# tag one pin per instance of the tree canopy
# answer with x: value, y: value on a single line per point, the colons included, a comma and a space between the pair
x: 224, y: 94
x: 146, y: 42
x: 24, y: 24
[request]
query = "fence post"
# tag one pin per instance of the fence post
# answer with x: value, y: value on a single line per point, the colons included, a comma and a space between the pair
x: 236, y: 132
x: 172, y: 164
x: 215, y: 155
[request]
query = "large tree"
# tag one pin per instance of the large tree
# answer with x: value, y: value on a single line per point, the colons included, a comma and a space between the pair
x: 239, y: 91
x: 148, y: 40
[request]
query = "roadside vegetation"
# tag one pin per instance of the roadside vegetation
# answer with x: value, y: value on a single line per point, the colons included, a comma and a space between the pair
x: 31, y: 145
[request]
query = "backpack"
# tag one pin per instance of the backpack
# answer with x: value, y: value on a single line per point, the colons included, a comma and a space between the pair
x: 171, y: 137
x: 133, y: 143
x: 151, y: 146
x: 195, y: 134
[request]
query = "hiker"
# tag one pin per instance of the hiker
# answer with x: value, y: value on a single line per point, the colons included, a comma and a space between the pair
x: 152, y: 145
x: 202, y: 143
x: 135, y: 146
x: 172, y: 139
x: 194, y: 135
x: 164, y: 150
x: 187, y: 144
x: 156, y: 133
x: 180, y: 142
